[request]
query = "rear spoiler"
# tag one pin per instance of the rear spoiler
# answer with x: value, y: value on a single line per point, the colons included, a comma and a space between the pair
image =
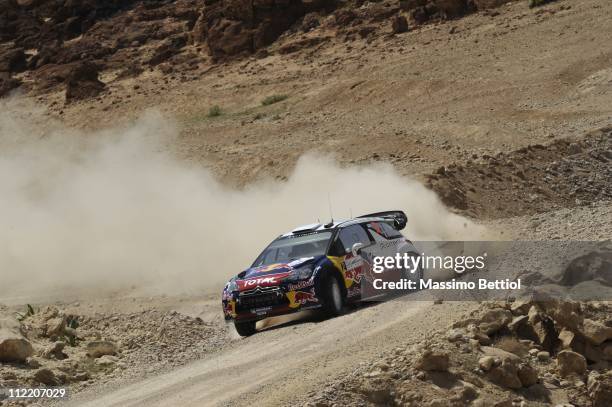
x: 399, y: 218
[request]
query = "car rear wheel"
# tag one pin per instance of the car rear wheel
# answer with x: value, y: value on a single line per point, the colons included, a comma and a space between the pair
x: 333, y: 300
x: 245, y: 328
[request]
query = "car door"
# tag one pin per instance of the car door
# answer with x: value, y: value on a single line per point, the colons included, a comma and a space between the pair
x: 357, y: 266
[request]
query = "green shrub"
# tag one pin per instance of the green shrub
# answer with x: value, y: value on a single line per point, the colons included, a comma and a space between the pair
x: 214, y: 111
x: 273, y: 99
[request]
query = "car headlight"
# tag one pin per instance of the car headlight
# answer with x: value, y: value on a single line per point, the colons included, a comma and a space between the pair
x: 231, y: 286
x: 302, y: 273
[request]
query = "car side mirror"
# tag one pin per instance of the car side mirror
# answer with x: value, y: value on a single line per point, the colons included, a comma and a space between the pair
x: 356, y: 249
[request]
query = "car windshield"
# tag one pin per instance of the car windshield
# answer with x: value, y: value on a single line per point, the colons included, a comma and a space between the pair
x: 288, y: 248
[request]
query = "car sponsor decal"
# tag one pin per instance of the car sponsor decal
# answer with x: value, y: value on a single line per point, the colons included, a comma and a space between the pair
x: 299, y: 298
x: 267, y: 281
x: 278, y: 267
x: 301, y: 284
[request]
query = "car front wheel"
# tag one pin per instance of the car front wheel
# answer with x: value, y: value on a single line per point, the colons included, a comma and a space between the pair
x: 245, y: 328
x: 332, y: 297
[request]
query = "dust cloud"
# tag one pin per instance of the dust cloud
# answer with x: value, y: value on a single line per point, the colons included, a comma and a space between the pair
x: 113, y: 209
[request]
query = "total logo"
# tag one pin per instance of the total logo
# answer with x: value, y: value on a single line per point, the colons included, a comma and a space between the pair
x: 261, y: 281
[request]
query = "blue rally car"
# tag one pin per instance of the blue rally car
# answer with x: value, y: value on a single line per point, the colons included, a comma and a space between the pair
x: 316, y: 267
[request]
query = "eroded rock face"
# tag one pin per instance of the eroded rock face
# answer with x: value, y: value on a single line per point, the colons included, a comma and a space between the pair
x: 233, y: 27
x: 13, y: 346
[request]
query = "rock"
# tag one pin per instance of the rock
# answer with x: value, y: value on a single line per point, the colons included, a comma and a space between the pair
x: 451, y: 8
x: 55, y: 351
x: 606, y: 349
x: 7, y: 83
x: 468, y: 392
x: 527, y: 374
x: 486, y: 363
x: 434, y: 361
x: 499, y: 354
x: 567, y: 339
x: 543, y: 356
x: 46, y: 376
x: 545, y: 333
x: 455, y: 335
x: 83, y: 82
x: 55, y: 326
x: 574, y: 148
x: 106, y: 360
x: 571, y: 363
x: 505, y: 375
x: 97, y: 349
x: 379, y: 395
x: 475, y: 333
x: 236, y: 27
x: 70, y: 332
x: 13, y: 61
x: 566, y: 314
x: 310, y: 22
x: 595, y: 332
x: 399, y: 24
x: 33, y: 363
x: 494, y: 320
x: 486, y: 4
x: 13, y: 346
x: 521, y: 328
x: 599, y: 388
x: 521, y: 306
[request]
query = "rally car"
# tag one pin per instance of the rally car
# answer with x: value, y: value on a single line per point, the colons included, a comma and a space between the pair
x: 317, y: 266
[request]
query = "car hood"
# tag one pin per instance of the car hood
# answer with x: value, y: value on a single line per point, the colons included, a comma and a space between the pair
x: 270, y: 275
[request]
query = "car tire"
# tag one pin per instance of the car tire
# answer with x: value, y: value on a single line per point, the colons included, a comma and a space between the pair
x: 333, y: 300
x: 245, y: 328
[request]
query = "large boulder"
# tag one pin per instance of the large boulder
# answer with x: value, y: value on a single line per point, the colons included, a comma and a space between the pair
x: 13, y: 346
x: 83, y: 82
x: 494, y: 320
x: 571, y: 363
x: 596, y: 332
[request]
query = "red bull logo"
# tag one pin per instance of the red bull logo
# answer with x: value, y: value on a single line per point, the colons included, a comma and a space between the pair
x: 278, y: 267
x: 299, y: 298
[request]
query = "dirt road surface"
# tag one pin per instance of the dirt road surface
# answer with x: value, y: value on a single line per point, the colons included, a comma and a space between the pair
x: 275, y: 366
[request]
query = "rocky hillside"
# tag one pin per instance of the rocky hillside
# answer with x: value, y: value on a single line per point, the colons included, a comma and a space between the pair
x: 523, y: 352
x: 52, y: 347
x: 45, y: 44
x: 562, y: 174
